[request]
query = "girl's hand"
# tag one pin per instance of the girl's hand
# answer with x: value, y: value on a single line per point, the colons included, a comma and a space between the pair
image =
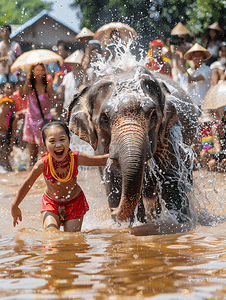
x: 16, y: 214
x: 28, y: 79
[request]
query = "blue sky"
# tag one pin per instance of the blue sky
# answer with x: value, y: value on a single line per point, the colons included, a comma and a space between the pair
x: 63, y: 12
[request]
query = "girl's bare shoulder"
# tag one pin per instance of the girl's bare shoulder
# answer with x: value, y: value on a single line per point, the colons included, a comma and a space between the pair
x: 39, y: 166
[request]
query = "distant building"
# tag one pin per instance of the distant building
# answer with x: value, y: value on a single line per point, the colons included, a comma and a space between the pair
x: 43, y: 31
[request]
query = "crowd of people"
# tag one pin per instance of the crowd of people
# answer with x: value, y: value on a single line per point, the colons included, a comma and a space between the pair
x: 27, y: 100
x: 197, y: 68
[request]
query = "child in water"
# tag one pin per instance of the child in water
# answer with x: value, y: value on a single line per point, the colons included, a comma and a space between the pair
x: 63, y: 200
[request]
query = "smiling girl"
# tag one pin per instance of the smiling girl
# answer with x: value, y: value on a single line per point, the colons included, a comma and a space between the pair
x: 63, y: 201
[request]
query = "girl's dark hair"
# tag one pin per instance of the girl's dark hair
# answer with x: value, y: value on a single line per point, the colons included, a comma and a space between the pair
x: 32, y: 80
x: 55, y: 123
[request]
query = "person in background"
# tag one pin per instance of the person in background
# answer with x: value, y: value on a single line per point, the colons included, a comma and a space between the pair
x: 212, y: 135
x: 9, y: 51
x: 59, y: 89
x: 219, y: 67
x: 74, y: 79
x: 55, y: 66
x: 20, y: 103
x: 64, y: 53
x: 176, y: 57
x: 20, y: 111
x: 9, y: 89
x: 7, y: 126
x: 93, y: 53
x: 156, y: 61
x: 36, y: 88
x: 57, y: 80
x: 212, y: 43
x: 199, y: 77
x: 1, y: 89
x: 178, y: 46
x: 181, y: 32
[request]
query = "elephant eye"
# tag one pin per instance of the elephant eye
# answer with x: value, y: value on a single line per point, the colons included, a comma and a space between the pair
x: 150, y: 86
x: 104, y: 121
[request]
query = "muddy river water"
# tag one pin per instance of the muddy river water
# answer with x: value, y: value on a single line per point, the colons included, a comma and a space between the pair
x: 108, y: 261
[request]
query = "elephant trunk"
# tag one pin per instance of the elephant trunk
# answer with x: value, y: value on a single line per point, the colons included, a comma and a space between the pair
x: 130, y: 147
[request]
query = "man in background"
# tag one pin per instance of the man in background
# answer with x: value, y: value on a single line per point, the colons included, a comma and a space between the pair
x: 9, y: 51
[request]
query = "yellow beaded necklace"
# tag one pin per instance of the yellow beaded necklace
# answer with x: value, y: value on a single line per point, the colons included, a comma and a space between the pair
x: 53, y: 172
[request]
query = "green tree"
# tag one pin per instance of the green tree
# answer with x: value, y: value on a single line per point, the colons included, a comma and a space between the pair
x: 153, y: 18
x: 148, y: 18
x: 202, y: 13
x: 20, y: 11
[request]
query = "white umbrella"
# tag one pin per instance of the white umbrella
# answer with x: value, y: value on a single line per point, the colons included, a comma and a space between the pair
x: 122, y: 31
x: 33, y: 57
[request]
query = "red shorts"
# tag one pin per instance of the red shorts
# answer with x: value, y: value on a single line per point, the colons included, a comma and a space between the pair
x: 72, y: 209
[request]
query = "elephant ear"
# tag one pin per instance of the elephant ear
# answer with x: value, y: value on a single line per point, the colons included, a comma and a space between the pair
x: 80, y: 119
x: 169, y: 117
x: 81, y: 90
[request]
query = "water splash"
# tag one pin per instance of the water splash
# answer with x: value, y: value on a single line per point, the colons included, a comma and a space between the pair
x: 205, y: 209
x: 120, y: 58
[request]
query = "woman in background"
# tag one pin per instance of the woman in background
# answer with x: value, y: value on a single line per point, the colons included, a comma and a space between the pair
x: 36, y: 88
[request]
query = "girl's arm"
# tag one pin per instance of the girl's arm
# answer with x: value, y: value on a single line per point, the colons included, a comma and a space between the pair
x: 4, y: 58
x: 223, y: 76
x: 195, y: 79
x: 215, y: 77
x: 93, y: 160
x: 26, y: 89
x: 37, y: 170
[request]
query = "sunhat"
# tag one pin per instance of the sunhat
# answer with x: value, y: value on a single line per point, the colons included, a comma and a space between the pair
x: 197, y: 48
x: 75, y: 58
x: 84, y: 33
x: 215, y: 26
x: 179, y: 29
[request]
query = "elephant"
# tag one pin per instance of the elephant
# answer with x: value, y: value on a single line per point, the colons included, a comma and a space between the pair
x: 146, y: 123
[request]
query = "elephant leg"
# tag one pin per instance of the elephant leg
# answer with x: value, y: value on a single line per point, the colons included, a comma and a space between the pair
x: 175, y: 195
x: 152, y: 207
x: 150, y: 196
x: 141, y: 217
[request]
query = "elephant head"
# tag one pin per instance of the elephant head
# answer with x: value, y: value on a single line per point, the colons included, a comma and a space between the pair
x: 126, y: 115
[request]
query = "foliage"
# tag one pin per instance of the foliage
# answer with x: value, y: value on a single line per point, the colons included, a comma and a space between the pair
x: 202, y: 13
x: 152, y: 18
x: 91, y: 10
x: 20, y: 11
